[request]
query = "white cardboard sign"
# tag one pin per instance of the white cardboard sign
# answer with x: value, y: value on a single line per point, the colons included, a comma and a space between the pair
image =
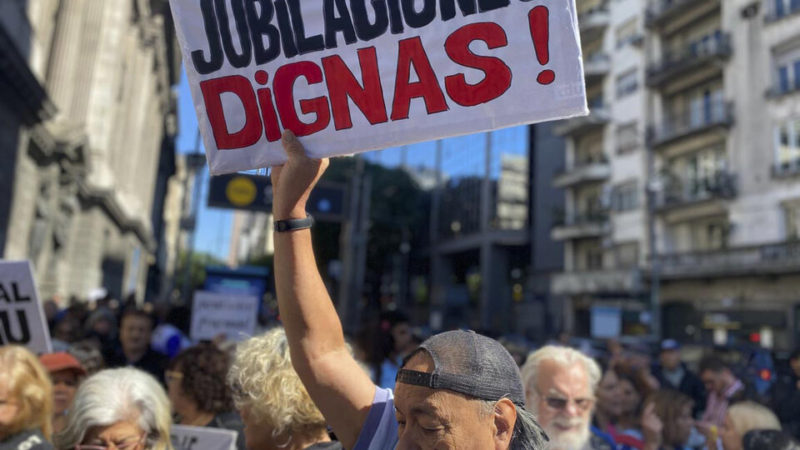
x: 22, y: 320
x: 233, y: 315
x: 199, y: 438
x: 354, y: 75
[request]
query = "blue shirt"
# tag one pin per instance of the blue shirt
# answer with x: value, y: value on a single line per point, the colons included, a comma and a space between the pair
x: 380, y: 429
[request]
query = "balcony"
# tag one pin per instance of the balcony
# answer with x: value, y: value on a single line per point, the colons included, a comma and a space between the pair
x: 712, y: 116
x: 596, y: 67
x: 591, y: 170
x: 577, y: 226
x: 779, y: 11
x: 664, y: 12
x: 689, y: 60
x: 768, y: 259
x: 596, y: 282
x: 681, y: 193
x: 593, y: 23
x: 598, y: 117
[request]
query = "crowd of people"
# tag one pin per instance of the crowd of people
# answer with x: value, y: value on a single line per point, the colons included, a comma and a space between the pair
x: 121, y: 377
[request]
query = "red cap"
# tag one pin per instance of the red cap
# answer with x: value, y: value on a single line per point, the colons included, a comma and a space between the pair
x: 55, y: 362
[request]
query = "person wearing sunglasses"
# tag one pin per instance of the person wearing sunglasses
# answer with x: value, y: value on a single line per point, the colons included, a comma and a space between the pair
x: 118, y: 409
x: 560, y: 387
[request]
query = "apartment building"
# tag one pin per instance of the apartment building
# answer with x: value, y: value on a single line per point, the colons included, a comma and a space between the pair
x: 692, y: 147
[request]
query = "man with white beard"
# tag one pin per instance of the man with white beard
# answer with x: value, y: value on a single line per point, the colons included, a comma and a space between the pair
x: 560, y: 390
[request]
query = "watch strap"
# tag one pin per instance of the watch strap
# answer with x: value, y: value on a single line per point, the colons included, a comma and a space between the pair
x: 282, y: 226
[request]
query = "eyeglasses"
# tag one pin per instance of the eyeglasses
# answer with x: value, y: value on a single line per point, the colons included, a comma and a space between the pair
x: 123, y: 444
x: 561, y: 403
x: 171, y: 375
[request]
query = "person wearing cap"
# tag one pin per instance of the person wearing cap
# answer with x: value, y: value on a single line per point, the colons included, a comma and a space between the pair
x: 66, y: 373
x: 672, y: 373
x: 458, y: 390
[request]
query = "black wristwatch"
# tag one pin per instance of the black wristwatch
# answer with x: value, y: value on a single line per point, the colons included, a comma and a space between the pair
x: 294, y: 224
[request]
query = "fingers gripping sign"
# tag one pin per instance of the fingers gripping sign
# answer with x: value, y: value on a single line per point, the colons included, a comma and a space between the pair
x: 293, y: 182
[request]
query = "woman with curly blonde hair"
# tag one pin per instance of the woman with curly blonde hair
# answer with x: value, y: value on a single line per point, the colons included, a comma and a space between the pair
x: 26, y: 400
x: 275, y: 407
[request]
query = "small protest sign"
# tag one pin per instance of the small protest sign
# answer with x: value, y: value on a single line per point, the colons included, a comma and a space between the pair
x: 199, y: 438
x: 22, y: 320
x: 352, y: 76
x: 214, y: 313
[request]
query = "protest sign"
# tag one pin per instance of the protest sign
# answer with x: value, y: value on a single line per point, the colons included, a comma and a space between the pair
x: 199, y: 438
x: 22, y: 320
x: 356, y: 75
x: 233, y: 315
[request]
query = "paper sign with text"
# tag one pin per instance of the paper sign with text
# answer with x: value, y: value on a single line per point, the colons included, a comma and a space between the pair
x: 233, y: 315
x: 198, y: 438
x: 22, y: 320
x: 354, y: 75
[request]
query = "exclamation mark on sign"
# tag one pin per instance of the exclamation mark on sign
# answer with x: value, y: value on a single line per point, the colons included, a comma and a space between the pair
x: 539, y: 20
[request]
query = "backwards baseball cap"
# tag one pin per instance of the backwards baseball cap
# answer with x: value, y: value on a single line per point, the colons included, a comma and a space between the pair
x: 670, y: 344
x: 55, y: 362
x: 470, y: 364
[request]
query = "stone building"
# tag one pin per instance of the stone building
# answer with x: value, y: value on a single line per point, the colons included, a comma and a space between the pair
x: 682, y: 184
x: 88, y: 126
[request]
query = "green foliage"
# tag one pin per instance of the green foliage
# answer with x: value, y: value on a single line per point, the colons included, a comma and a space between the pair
x: 197, y: 268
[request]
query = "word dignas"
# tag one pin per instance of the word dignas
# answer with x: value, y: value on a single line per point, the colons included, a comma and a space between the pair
x: 264, y: 28
x: 268, y: 110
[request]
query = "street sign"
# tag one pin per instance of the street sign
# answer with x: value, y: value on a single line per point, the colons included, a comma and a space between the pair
x: 240, y: 191
x: 254, y: 193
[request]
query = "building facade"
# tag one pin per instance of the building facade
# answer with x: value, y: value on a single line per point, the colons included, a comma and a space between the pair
x: 94, y: 144
x: 681, y: 184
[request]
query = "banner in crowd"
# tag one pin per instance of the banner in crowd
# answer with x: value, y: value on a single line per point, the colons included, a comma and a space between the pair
x: 22, y: 319
x: 358, y: 75
x: 199, y: 438
x: 214, y: 314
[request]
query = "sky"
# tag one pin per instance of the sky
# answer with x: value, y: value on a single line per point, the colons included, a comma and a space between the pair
x: 213, y: 225
x: 462, y: 157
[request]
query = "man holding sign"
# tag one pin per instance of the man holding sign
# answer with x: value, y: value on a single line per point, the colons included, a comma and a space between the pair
x: 458, y: 390
x: 360, y: 75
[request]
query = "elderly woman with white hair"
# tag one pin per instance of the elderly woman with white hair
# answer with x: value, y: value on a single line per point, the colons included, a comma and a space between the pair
x: 275, y: 406
x: 125, y: 409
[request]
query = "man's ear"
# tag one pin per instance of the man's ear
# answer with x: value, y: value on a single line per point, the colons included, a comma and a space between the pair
x: 505, y: 417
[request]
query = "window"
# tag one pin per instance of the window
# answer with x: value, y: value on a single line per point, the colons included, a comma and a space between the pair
x: 627, y: 255
x: 627, y: 83
x: 791, y: 213
x: 627, y: 137
x: 626, y: 33
x: 787, y: 146
x: 625, y: 197
x: 788, y: 71
x: 785, y: 7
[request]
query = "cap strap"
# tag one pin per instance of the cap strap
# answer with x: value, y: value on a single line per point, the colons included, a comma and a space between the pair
x: 416, y: 378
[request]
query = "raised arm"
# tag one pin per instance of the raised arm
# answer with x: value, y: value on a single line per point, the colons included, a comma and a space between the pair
x: 335, y: 381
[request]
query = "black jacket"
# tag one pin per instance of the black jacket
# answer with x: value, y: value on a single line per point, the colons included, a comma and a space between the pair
x: 26, y: 440
x: 786, y: 403
x: 690, y: 385
x: 152, y: 362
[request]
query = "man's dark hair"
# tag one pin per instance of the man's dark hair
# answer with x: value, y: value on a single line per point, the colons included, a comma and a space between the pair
x: 713, y: 363
x: 204, y: 368
x: 136, y: 312
x: 795, y: 355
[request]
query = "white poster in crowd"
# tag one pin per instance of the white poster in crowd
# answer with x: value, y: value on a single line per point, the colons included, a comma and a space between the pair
x: 199, y: 438
x: 358, y: 75
x: 22, y: 319
x: 214, y: 314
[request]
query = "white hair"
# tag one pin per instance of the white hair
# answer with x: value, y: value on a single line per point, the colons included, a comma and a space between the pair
x: 118, y: 395
x: 564, y: 357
